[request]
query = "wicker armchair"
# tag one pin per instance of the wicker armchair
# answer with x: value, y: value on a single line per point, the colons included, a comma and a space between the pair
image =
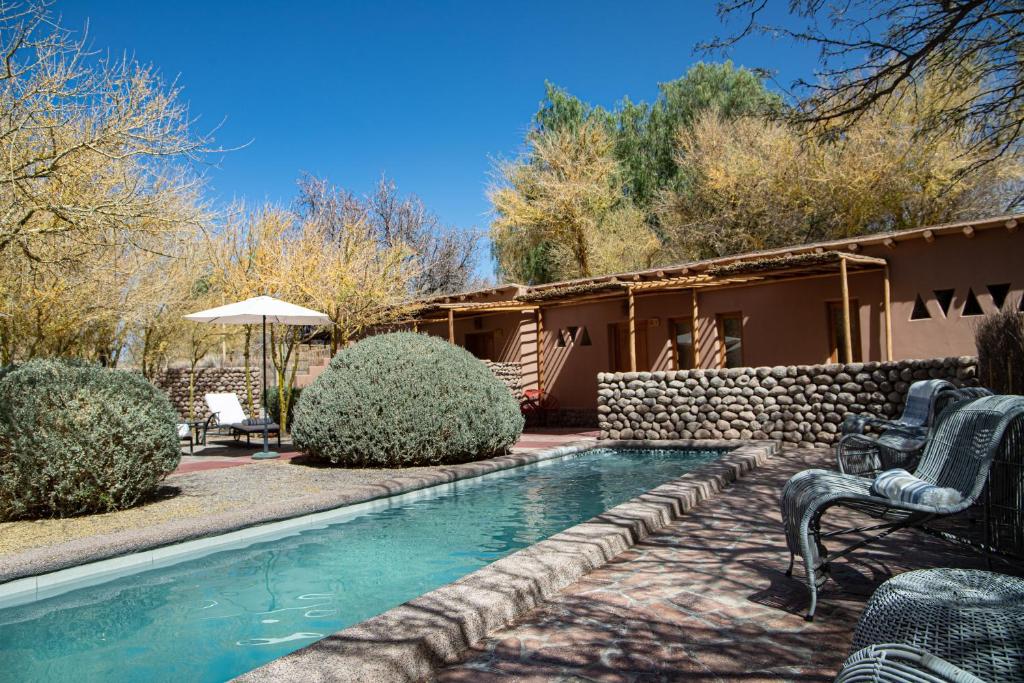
x: 958, y: 454
x: 900, y: 664
x: 901, y: 441
x: 972, y: 619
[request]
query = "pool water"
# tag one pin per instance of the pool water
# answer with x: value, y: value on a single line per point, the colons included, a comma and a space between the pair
x: 213, y: 618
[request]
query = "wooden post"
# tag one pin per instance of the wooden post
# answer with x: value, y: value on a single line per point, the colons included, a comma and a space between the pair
x: 847, y: 331
x: 415, y: 326
x: 632, y: 330
x: 451, y: 325
x: 887, y: 307
x: 695, y: 329
x: 540, y: 351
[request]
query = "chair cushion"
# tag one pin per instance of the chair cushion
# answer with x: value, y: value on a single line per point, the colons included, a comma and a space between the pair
x: 902, y: 486
x: 184, y: 430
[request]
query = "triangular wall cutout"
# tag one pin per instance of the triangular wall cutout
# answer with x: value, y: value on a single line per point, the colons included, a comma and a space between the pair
x: 999, y: 293
x: 945, y: 299
x: 920, y: 311
x: 971, y: 305
x: 560, y: 343
x: 573, y: 332
x: 584, y: 338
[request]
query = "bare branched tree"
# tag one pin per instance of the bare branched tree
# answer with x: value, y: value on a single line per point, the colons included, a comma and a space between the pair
x: 874, y: 51
x: 445, y: 255
x: 91, y: 145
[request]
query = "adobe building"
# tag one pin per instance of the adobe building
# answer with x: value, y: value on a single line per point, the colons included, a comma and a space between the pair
x: 910, y: 294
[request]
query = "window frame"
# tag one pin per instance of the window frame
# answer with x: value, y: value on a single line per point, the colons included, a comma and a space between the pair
x: 720, y: 319
x: 673, y: 344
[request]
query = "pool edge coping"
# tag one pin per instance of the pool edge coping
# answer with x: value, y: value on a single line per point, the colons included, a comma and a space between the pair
x: 411, y: 641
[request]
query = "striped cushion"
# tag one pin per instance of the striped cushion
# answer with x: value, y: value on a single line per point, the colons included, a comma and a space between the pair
x: 902, y: 486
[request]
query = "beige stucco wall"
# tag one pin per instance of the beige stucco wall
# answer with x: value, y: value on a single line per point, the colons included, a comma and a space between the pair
x: 950, y: 262
x: 783, y: 323
x: 787, y: 323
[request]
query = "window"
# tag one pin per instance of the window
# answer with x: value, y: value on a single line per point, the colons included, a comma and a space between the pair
x: 837, y: 334
x: 681, y: 330
x: 945, y: 299
x: 585, y: 338
x: 920, y: 311
x: 971, y: 305
x: 730, y: 340
x: 999, y: 293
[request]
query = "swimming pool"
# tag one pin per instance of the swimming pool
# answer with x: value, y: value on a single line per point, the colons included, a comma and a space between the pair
x: 215, y: 617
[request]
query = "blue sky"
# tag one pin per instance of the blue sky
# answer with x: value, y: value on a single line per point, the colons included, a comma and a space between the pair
x: 427, y: 92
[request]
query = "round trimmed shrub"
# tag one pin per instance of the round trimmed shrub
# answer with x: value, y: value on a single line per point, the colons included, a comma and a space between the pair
x: 403, y: 399
x: 78, y: 439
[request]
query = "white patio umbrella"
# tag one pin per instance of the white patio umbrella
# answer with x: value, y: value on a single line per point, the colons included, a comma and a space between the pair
x: 261, y: 309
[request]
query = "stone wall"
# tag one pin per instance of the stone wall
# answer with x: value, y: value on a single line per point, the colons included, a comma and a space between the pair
x: 799, y: 405
x: 511, y: 374
x: 208, y: 381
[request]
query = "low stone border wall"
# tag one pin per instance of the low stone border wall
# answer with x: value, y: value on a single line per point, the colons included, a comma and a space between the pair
x: 511, y: 374
x: 797, y: 404
x: 208, y: 381
x: 409, y: 642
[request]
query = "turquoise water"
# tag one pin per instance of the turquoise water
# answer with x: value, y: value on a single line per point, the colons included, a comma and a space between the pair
x: 213, y: 618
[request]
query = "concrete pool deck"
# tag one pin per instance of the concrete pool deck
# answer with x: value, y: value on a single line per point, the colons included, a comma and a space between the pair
x: 218, y: 496
x: 408, y: 642
x: 226, y: 500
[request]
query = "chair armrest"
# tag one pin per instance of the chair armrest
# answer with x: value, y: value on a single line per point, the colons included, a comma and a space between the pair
x: 857, y: 424
x: 858, y: 454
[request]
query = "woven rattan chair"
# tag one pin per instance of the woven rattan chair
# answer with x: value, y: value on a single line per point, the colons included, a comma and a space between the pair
x: 900, y: 442
x: 958, y: 454
x: 970, y: 618
x: 900, y: 663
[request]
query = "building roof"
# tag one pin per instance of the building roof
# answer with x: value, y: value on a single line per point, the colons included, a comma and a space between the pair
x: 733, y: 269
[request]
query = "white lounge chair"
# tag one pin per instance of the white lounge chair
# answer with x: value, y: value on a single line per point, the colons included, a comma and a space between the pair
x: 228, y: 413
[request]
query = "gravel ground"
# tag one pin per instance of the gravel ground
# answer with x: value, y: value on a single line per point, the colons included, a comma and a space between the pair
x: 200, y: 494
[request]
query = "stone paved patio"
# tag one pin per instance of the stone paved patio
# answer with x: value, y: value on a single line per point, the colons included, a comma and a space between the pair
x: 706, y: 599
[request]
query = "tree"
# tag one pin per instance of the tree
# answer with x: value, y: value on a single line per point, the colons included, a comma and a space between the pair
x: 873, y: 54
x: 760, y: 184
x: 645, y: 134
x: 340, y: 266
x: 445, y: 255
x: 89, y: 143
x: 563, y: 200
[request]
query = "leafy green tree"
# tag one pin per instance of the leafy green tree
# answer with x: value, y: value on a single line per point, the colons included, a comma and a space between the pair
x: 645, y: 135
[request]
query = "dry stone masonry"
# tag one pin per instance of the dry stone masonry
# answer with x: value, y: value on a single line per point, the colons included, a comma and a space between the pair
x: 799, y: 405
x: 208, y: 381
x: 511, y: 374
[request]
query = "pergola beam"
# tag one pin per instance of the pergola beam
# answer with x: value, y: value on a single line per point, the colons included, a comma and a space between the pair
x: 632, y: 330
x: 887, y: 308
x: 694, y: 328
x: 847, y: 327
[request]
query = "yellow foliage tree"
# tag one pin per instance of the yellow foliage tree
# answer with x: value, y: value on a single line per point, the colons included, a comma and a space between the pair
x: 566, y: 197
x: 757, y: 184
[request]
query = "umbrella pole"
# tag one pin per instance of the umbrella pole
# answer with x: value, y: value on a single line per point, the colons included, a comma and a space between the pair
x: 266, y: 453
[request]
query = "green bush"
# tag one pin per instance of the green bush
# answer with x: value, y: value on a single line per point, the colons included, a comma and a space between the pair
x: 78, y: 439
x: 274, y: 409
x: 403, y: 399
